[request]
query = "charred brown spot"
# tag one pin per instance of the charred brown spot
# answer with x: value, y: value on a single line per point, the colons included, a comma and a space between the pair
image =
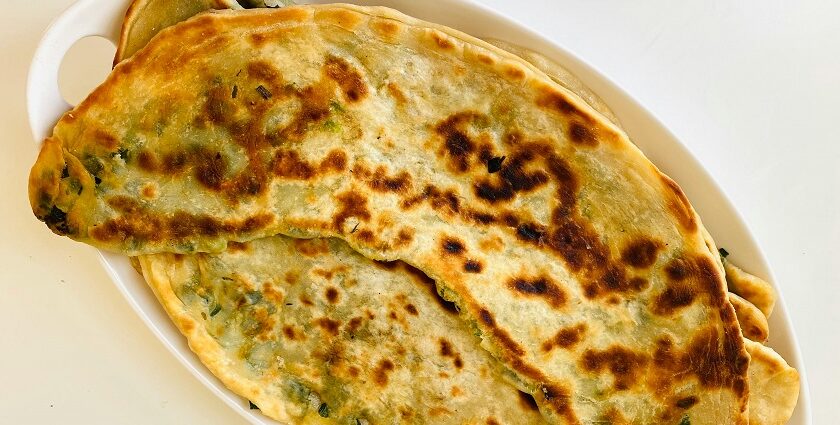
x: 479, y: 217
x: 288, y: 164
x: 289, y: 333
x: 147, y: 161
x: 582, y: 135
x: 335, y: 160
x: 514, y: 72
x: 565, y: 338
x: 174, y: 162
x: 406, y: 413
x: 315, y: 108
x: 626, y: 366
x: 441, y: 40
x: 502, y: 337
x: 531, y: 232
x: 186, y: 225
x: 510, y: 219
x: 559, y: 400
x: 491, y: 421
x: 272, y: 294
x: 354, y: 324
x: 690, y: 278
x: 487, y: 318
x: 125, y: 204
x: 329, y: 325
x: 266, y: 73
x: 540, y: 287
x: 458, y: 148
x: 351, y: 204
x: 578, y: 245
x: 472, y: 266
x: 445, y: 348
x: 380, y: 374
x: 218, y: 107
x: 404, y: 237
x: 638, y: 283
x: 615, y: 280
x: 557, y: 102
x: 687, y: 402
x: 678, y: 269
x: 384, y: 28
x: 138, y: 224
x: 411, y: 309
x: 381, y: 182
x: 487, y: 60
x: 678, y: 204
x: 452, y: 246
x: 105, y: 140
x: 641, y: 253
x: 331, y: 295
x: 514, y: 176
x: 365, y: 236
x: 676, y: 296
x: 446, y: 201
x: 718, y: 362
x: 210, y: 169
x: 326, y: 274
x: 348, y: 78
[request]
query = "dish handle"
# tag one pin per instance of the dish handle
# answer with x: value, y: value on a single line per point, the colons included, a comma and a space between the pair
x: 85, y: 18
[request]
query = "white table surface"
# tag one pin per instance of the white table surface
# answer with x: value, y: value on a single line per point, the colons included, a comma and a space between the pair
x: 751, y: 87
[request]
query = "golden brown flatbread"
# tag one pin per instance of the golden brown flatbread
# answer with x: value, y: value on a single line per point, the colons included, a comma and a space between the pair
x: 583, y: 268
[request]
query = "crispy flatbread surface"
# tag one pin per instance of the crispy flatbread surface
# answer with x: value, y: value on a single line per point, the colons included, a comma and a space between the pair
x: 582, y: 266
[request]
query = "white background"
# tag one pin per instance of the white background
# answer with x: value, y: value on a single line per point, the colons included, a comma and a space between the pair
x: 751, y: 87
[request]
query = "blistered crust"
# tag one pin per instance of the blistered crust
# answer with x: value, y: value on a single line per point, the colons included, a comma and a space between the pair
x: 424, y: 189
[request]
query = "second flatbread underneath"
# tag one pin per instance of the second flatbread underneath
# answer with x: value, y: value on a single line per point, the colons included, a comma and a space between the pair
x: 312, y: 332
